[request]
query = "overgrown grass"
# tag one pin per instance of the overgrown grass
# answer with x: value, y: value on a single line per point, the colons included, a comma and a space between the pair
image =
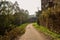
x: 14, y: 33
x: 47, y: 31
x: 22, y: 28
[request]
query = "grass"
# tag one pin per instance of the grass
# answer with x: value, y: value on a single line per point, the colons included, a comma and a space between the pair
x: 47, y: 31
x: 22, y: 27
x: 14, y: 33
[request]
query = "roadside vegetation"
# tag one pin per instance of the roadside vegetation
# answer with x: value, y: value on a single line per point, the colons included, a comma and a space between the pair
x: 13, y: 34
x: 48, y: 19
x: 12, y: 20
x: 47, y: 31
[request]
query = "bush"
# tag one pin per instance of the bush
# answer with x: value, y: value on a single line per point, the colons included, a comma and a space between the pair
x: 14, y: 33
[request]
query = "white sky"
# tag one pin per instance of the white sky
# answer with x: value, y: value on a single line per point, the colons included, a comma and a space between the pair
x: 30, y: 5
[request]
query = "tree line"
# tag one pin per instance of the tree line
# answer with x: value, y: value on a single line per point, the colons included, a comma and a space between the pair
x: 11, y: 16
x: 50, y: 16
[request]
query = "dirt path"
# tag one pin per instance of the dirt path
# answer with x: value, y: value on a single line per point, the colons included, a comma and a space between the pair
x: 32, y: 34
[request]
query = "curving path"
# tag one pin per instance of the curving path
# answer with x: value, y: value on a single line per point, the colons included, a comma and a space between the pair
x: 32, y: 34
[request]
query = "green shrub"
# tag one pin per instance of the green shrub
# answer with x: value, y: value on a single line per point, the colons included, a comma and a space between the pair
x: 14, y: 33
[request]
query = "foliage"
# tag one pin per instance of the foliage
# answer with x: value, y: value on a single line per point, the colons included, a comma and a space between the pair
x: 50, y: 17
x: 47, y: 31
x: 11, y: 16
x: 13, y: 34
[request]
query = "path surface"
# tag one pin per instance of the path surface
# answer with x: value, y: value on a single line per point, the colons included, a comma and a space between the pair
x: 32, y: 34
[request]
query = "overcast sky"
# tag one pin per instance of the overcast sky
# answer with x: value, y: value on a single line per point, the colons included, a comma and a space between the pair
x: 30, y: 5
